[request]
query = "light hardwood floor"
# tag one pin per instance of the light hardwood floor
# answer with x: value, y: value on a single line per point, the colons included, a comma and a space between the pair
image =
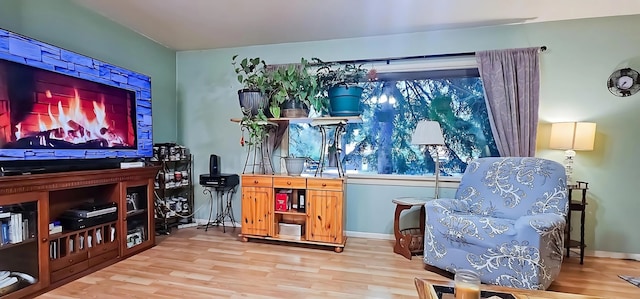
x: 192, y: 263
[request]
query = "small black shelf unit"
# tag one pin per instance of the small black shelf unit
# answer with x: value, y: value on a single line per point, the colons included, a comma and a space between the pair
x: 173, y: 190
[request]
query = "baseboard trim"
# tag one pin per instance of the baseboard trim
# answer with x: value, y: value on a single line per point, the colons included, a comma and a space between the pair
x: 614, y: 255
x: 378, y: 236
x: 226, y: 223
x: 187, y: 225
x: 370, y: 235
x: 593, y: 253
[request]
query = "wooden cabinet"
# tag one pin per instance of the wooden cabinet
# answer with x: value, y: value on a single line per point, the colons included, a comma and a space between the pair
x: 22, y: 255
x: 78, y: 250
x: 137, y: 225
x: 257, y: 212
x: 49, y: 260
x: 324, y: 216
x: 314, y: 209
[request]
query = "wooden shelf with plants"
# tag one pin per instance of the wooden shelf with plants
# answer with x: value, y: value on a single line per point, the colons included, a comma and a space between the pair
x: 289, y: 93
x: 310, y: 120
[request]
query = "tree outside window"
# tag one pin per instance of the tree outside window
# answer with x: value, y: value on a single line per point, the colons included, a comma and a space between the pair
x: 393, y: 106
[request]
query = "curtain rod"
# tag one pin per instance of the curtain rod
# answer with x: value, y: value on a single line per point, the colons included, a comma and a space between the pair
x: 388, y: 60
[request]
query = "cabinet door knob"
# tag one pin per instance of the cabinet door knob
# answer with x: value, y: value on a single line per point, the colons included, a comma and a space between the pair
x: 44, y: 240
x: 324, y: 185
x: 288, y: 183
x: 255, y: 182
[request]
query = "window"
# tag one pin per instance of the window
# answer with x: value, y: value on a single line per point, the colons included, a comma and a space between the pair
x: 393, y: 105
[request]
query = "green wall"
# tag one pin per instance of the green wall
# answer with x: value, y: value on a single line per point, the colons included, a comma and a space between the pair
x: 67, y: 25
x: 581, y: 56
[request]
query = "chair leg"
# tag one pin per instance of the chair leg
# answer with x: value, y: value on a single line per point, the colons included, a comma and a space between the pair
x: 567, y: 236
x: 582, y: 246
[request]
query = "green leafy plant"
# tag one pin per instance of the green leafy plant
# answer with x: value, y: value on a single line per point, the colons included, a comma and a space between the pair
x: 255, y: 125
x: 297, y: 83
x: 330, y: 74
x: 251, y: 73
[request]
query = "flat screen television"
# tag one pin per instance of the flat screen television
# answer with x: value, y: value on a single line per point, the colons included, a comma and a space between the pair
x: 61, y: 110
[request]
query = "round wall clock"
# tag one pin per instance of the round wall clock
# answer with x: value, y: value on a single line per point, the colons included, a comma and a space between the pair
x: 624, y: 82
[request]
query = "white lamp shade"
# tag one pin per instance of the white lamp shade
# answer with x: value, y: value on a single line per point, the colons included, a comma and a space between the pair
x: 578, y: 136
x: 427, y: 133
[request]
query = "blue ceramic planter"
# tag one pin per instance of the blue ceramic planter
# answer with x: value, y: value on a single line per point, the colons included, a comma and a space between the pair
x: 345, y: 100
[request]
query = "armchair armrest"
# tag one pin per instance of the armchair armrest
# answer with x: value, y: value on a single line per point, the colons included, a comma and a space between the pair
x: 540, y: 224
x: 446, y: 205
x: 544, y: 232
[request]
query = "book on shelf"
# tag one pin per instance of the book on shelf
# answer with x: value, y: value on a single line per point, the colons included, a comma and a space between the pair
x: 113, y: 234
x: 53, y: 250
x: 17, y: 227
x: 4, y: 232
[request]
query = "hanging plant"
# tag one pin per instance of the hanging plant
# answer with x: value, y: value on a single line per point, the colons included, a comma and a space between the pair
x: 256, y: 127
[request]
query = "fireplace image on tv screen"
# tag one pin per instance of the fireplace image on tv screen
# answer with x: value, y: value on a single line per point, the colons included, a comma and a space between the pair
x: 57, y: 105
x: 41, y: 109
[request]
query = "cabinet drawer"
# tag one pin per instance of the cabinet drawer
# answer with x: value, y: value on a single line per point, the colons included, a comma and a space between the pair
x: 256, y: 181
x: 102, y: 248
x: 288, y: 182
x: 325, y: 184
x: 68, y: 271
x: 68, y: 260
x: 107, y: 256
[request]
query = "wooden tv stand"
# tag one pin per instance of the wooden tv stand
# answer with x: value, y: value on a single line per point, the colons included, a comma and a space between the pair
x: 53, y: 259
x: 320, y: 222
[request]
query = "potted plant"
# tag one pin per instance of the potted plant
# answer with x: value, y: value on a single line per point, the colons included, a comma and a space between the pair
x: 255, y: 125
x: 251, y: 74
x: 340, y: 83
x: 294, y: 89
x: 295, y: 165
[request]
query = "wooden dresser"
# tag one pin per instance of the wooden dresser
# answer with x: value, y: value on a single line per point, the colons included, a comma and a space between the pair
x: 314, y: 209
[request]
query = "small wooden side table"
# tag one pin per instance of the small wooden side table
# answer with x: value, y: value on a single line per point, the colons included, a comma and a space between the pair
x: 581, y: 206
x: 409, y: 241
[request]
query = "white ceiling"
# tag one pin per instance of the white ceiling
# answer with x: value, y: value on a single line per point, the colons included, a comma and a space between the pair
x: 209, y: 24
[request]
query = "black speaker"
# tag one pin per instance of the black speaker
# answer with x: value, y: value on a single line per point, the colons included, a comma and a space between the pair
x: 214, y: 165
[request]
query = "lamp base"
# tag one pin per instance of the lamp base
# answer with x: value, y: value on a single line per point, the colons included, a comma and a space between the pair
x: 569, y: 156
x: 437, y: 171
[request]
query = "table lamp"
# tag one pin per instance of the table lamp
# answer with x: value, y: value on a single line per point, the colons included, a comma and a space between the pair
x: 571, y: 137
x: 429, y: 133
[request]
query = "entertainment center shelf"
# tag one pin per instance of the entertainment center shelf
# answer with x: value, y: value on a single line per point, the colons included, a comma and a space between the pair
x: 39, y: 258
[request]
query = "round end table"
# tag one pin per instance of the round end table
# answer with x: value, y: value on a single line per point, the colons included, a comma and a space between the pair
x: 409, y: 241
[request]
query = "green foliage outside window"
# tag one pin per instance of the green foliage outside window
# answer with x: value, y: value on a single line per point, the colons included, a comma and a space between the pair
x: 382, y: 143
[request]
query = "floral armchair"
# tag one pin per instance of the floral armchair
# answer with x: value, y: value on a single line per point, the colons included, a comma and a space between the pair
x: 506, y: 222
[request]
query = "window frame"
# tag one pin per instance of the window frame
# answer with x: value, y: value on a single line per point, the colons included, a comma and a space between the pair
x: 396, y: 66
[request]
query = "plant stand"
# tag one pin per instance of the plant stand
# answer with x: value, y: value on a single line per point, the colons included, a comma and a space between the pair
x: 339, y: 130
x: 260, y: 155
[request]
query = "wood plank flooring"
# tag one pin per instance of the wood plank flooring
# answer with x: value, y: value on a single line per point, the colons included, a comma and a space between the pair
x: 192, y: 263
